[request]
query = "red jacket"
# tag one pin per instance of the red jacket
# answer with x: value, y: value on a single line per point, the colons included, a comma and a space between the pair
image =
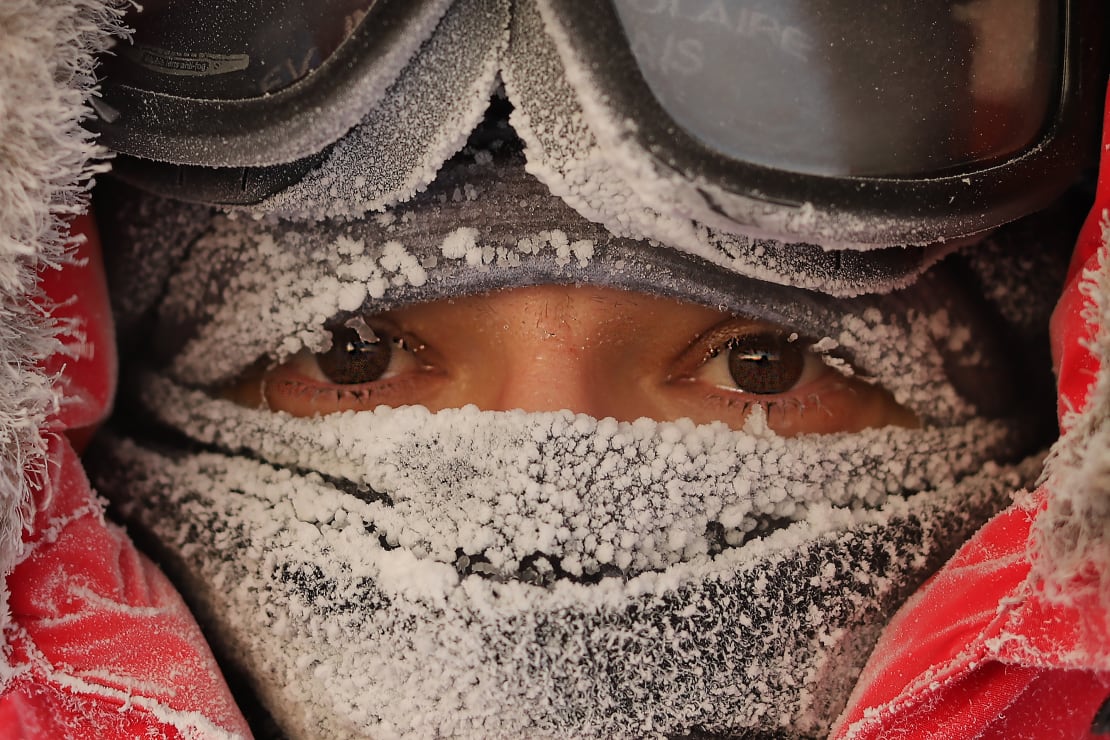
x: 96, y: 642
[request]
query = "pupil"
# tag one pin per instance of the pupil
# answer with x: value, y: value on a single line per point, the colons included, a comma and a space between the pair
x: 765, y: 363
x: 352, y: 360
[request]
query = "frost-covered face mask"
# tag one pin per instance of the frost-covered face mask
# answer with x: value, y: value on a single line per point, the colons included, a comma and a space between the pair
x: 501, y: 574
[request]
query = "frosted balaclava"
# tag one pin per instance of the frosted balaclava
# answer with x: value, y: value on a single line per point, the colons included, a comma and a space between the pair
x: 480, y: 574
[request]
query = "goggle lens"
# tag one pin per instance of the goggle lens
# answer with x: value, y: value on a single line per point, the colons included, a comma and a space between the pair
x: 818, y: 87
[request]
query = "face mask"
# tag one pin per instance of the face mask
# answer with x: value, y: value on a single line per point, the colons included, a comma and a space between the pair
x: 468, y: 573
x: 503, y: 574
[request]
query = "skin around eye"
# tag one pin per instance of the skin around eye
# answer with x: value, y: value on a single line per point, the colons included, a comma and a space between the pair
x: 597, y: 351
x: 374, y: 365
x: 740, y: 364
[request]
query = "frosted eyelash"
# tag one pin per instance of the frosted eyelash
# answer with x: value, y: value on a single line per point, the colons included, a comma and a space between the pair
x: 746, y: 404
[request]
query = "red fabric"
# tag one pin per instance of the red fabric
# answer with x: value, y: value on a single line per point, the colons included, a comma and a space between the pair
x: 1076, y: 365
x: 100, y: 644
x: 978, y: 652
x: 86, y: 369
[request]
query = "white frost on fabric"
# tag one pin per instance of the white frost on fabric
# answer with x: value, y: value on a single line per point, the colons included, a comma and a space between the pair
x: 47, y: 50
x: 381, y: 630
x: 902, y: 357
x: 586, y: 158
x: 281, y: 304
x: 259, y: 295
x: 504, y: 473
x: 460, y: 243
x: 1071, y: 540
x: 464, y: 243
x: 191, y: 725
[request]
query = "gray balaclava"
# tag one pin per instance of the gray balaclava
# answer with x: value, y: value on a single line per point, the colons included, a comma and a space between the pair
x: 478, y: 574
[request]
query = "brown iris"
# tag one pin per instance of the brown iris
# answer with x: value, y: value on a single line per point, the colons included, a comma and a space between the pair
x: 765, y: 363
x: 352, y: 359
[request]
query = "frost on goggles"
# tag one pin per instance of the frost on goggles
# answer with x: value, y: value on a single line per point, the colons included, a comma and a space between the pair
x: 820, y: 87
x: 233, y: 49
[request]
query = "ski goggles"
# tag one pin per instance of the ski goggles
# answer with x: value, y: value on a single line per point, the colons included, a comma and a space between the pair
x: 802, y: 120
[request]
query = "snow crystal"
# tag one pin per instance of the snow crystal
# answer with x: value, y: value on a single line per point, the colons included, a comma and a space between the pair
x: 459, y: 242
x: 350, y: 297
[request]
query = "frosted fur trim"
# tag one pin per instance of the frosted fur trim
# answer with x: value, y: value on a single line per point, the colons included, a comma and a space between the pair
x: 47, y: 50
x: 1071, y: 541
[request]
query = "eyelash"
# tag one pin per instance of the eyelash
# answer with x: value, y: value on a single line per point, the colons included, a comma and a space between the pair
x: 304, y: 391
x: 816, y: 377
x: 745, y: 404
x: 301, y: 377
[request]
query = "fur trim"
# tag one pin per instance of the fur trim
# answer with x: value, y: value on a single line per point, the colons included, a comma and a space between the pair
x: 1071, y: 541
x: 47, y: 49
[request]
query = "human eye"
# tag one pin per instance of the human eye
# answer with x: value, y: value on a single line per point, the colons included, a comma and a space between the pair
x: 740, y: 365
x: 371, y: 362
x: 759, y: 361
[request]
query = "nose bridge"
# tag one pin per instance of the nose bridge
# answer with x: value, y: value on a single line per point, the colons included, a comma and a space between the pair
x: 547, y: 356
x: 548, y: 376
